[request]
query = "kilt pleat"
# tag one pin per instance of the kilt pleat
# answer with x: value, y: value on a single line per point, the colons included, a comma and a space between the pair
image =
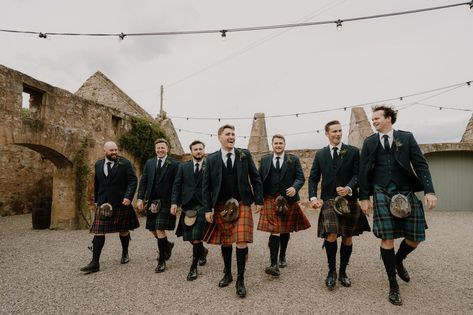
x: 349, y: 225
x: 227, y: 233
x: 386, y: 226
x: 270, y: 221
x: 163, y: 220
x: 123, y: 219
x: 195, y: 232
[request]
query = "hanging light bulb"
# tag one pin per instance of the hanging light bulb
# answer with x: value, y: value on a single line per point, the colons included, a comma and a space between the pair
x: 224, y: 34
x: 339, y: 25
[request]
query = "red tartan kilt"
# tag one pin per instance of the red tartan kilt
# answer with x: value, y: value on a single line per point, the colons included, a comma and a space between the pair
x: 270, y: 221
x: 123, y: 219
x: 227, y: 233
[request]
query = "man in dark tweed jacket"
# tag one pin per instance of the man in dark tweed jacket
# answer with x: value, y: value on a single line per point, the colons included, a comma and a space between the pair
x: 391, y: 163
x: 115, y: 184
x: 187, y: 194
x: 338, y: 165
x: 156, y: 186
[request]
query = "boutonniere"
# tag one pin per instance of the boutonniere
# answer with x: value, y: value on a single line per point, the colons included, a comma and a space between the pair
x: 343, y: 153
x: 397, y: 143
x: 241, y: 154
x: 119, y: 162
x: 168, y: 162
x: 289, y: 159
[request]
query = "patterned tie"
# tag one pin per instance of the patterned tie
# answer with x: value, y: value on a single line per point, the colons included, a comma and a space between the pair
x: 278, y: 166
x: 335, y: 157
x: 229, y: 161
x: 386, y: 142
x: 109, y: 168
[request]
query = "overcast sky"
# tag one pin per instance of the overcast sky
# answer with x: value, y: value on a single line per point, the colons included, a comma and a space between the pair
x: 275, y: 72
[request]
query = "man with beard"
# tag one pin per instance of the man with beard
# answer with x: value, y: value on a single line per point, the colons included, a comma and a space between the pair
x: 114, y: 185
x: 230, y: 174
x: 392, y: 163
x: 156, y: 187
x: 187, y: 193
x: 282, y: 175
x: 338, y: 165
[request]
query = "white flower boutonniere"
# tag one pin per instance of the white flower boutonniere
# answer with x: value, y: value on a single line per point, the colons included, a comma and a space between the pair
x: 397, y: 143
x: 343, y: 153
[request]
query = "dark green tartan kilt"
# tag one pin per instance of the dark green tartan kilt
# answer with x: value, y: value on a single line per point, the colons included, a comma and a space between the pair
x: 386, y: 226
x: 163, y: 220
x: 194, y: 232
x: 331, y: 222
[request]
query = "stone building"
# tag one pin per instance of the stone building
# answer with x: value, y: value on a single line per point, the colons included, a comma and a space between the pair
x: 40, y: 145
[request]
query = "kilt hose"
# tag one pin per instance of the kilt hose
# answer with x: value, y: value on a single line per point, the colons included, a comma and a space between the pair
x: 194, y: 232
x: 270, y: 221
x: 163, y: 220
x: 227, y: 233
x: 349, y: 225
x: 123, y: 219
x: 386, y: 226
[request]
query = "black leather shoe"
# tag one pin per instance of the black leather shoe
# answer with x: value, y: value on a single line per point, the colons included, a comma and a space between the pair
x: 203, y: 259
x: 282, y: 262
x: 227, y: 278
x: 402, y: 272
x: 344, y: 280
x: 125, y: 259
x: 192, y: 275
x: 331, y: 279
x: 91, y: 267
x: 395, y: 296
x: 240, y: 287
x: 161, y: 267
x: 168, y: 253
x: 272, y: 270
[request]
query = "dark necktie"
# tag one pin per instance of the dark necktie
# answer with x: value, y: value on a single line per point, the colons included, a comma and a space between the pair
x: 335, y: 157
x: 386, y: 142
x: 196, y: 172
x: 278, y: 166
x: 109, y: 168
x: 158, y: 168
x: 229, y: 161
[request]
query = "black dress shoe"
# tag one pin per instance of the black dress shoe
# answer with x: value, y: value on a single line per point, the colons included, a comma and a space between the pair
x: 203, y: 259
x: 395, y: 296
x: 161, y: 267
x: 92, y: 267
x: 168, y: 253
x: 240, y: 287
x: 282, y: 262
x: 331, y: 279
x: 272, y: 270
x: 192, y: 275
x: 402, y: 272
x: 344, y: 280
x: 125, y: 259
x: 227, y: 278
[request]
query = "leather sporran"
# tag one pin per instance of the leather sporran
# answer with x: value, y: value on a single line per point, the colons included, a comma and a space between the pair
x: 400, y: 206
x: 231, y: 210
x: 105, y: 211
x: 190, y: 217
x: 281, y: 206
x: 341, y: 206
x: 155, y: 206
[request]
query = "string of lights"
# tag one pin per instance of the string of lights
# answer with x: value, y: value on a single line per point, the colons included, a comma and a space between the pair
x: 223, y: 32
x: 405, y: 106
x: 298, y: 114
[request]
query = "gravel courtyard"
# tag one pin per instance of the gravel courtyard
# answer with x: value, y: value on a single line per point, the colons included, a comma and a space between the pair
x: 39, y: 273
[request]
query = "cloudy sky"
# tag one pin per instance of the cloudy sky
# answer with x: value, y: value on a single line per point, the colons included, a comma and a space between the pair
x: 273, y: 71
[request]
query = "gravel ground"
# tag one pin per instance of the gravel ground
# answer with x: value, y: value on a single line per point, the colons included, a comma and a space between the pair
x: 39, y: 273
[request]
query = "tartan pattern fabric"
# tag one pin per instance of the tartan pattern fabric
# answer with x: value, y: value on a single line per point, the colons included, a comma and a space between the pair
x: 163, y: 220
x: 123, y: 219
x: 227, y: 233
x: 386, y: 226
x: 195, y: 232
x: 331, y: 222
x: 270, y: 221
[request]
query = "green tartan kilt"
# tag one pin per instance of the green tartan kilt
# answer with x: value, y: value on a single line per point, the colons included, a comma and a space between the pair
x: 194, y: 232
x: 163, y: 220
x: 388, y: 227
